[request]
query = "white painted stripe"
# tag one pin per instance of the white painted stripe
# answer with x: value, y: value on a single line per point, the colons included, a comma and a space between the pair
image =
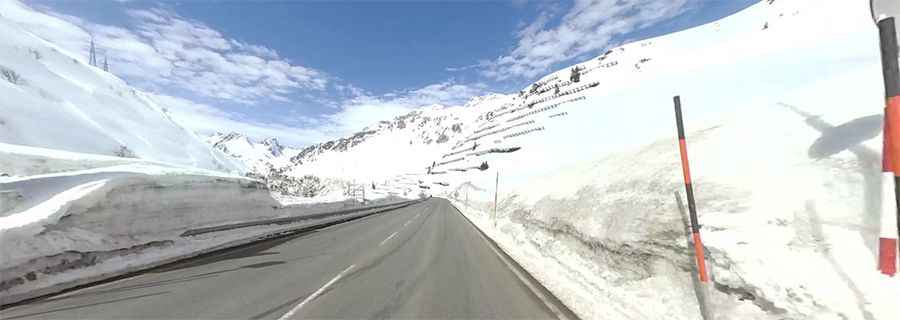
x: 388, y: 238
x: 888, y: 206
x: 316, y: 294
x: 407, y: 223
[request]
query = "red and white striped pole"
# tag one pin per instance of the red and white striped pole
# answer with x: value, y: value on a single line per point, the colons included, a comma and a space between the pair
x: 692, y: 208
x: 887, y: 242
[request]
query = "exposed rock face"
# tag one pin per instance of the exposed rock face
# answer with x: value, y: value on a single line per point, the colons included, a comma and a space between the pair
x: 274, y: 147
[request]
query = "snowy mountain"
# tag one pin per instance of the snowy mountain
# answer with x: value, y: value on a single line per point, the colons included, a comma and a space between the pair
x: 589, y: 170
x: 403, y: 145
x: 274, y: 148
x: 53, y: 99
x: 257, y: 157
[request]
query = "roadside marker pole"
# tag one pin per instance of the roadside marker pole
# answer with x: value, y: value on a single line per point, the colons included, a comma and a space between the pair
x: 496, y: 190
x: 890, y: 215
x: 887, y: 245
x: 692, y: 208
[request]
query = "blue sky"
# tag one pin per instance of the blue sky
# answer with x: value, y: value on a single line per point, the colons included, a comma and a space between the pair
x: 307, y: 71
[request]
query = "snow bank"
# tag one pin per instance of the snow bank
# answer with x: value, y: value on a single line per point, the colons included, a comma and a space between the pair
x: 18, y: 162
x: 109, y: 223
x: 45, y: 208
x: 611, y: 232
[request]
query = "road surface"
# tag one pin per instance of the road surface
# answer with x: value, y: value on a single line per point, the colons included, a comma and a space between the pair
x: 422, y: 261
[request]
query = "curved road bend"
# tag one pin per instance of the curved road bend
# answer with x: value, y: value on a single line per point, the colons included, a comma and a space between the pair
x: 422, y: 261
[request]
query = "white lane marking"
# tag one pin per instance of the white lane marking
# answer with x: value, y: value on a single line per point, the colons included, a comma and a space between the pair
x: 388, y: 238
x: 316, y: 294
x: 407, y: 223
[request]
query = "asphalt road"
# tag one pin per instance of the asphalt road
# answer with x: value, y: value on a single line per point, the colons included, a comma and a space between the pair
x: 422, y: 261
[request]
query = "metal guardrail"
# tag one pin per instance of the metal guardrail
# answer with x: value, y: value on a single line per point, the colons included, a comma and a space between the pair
x: 288, y: 220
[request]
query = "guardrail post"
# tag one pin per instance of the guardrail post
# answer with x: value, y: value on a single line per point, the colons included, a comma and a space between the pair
x: 689, y: 190
x: 890, y: 215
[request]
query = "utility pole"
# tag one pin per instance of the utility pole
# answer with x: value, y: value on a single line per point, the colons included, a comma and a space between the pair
x: 93, y: 56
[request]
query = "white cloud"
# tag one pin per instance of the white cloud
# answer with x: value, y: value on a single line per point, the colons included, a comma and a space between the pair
x: 366, y: 110
x: 481, y: 64
x: 589, y: 26
x: 206, y: 120
x: 164, y: 50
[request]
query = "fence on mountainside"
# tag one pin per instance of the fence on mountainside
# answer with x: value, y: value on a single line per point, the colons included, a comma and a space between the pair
x: 451, y: 161
x: 489, y: 133
x: 558, y: 114
x: 521, y: 133
x: 542, y: 109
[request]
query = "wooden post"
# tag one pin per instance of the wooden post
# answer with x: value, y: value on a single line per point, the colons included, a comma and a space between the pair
x: 692, y: 207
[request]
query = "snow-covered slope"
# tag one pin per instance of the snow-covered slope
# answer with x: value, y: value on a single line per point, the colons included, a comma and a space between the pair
x: 52, y: 99
x: 782, y: 102
x: 404, y: 145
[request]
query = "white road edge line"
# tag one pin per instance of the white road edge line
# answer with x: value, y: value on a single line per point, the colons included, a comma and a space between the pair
x: 388, y: 238
x: 521, y: 277
x: 316, y: 294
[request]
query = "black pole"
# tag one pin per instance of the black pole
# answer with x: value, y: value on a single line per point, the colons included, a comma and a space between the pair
x: 887, y: 33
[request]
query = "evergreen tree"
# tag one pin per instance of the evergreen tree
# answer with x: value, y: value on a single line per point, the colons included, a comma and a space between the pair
x: 105, y: 64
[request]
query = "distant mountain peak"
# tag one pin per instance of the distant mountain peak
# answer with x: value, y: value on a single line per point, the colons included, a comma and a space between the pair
x: 275, y: 148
